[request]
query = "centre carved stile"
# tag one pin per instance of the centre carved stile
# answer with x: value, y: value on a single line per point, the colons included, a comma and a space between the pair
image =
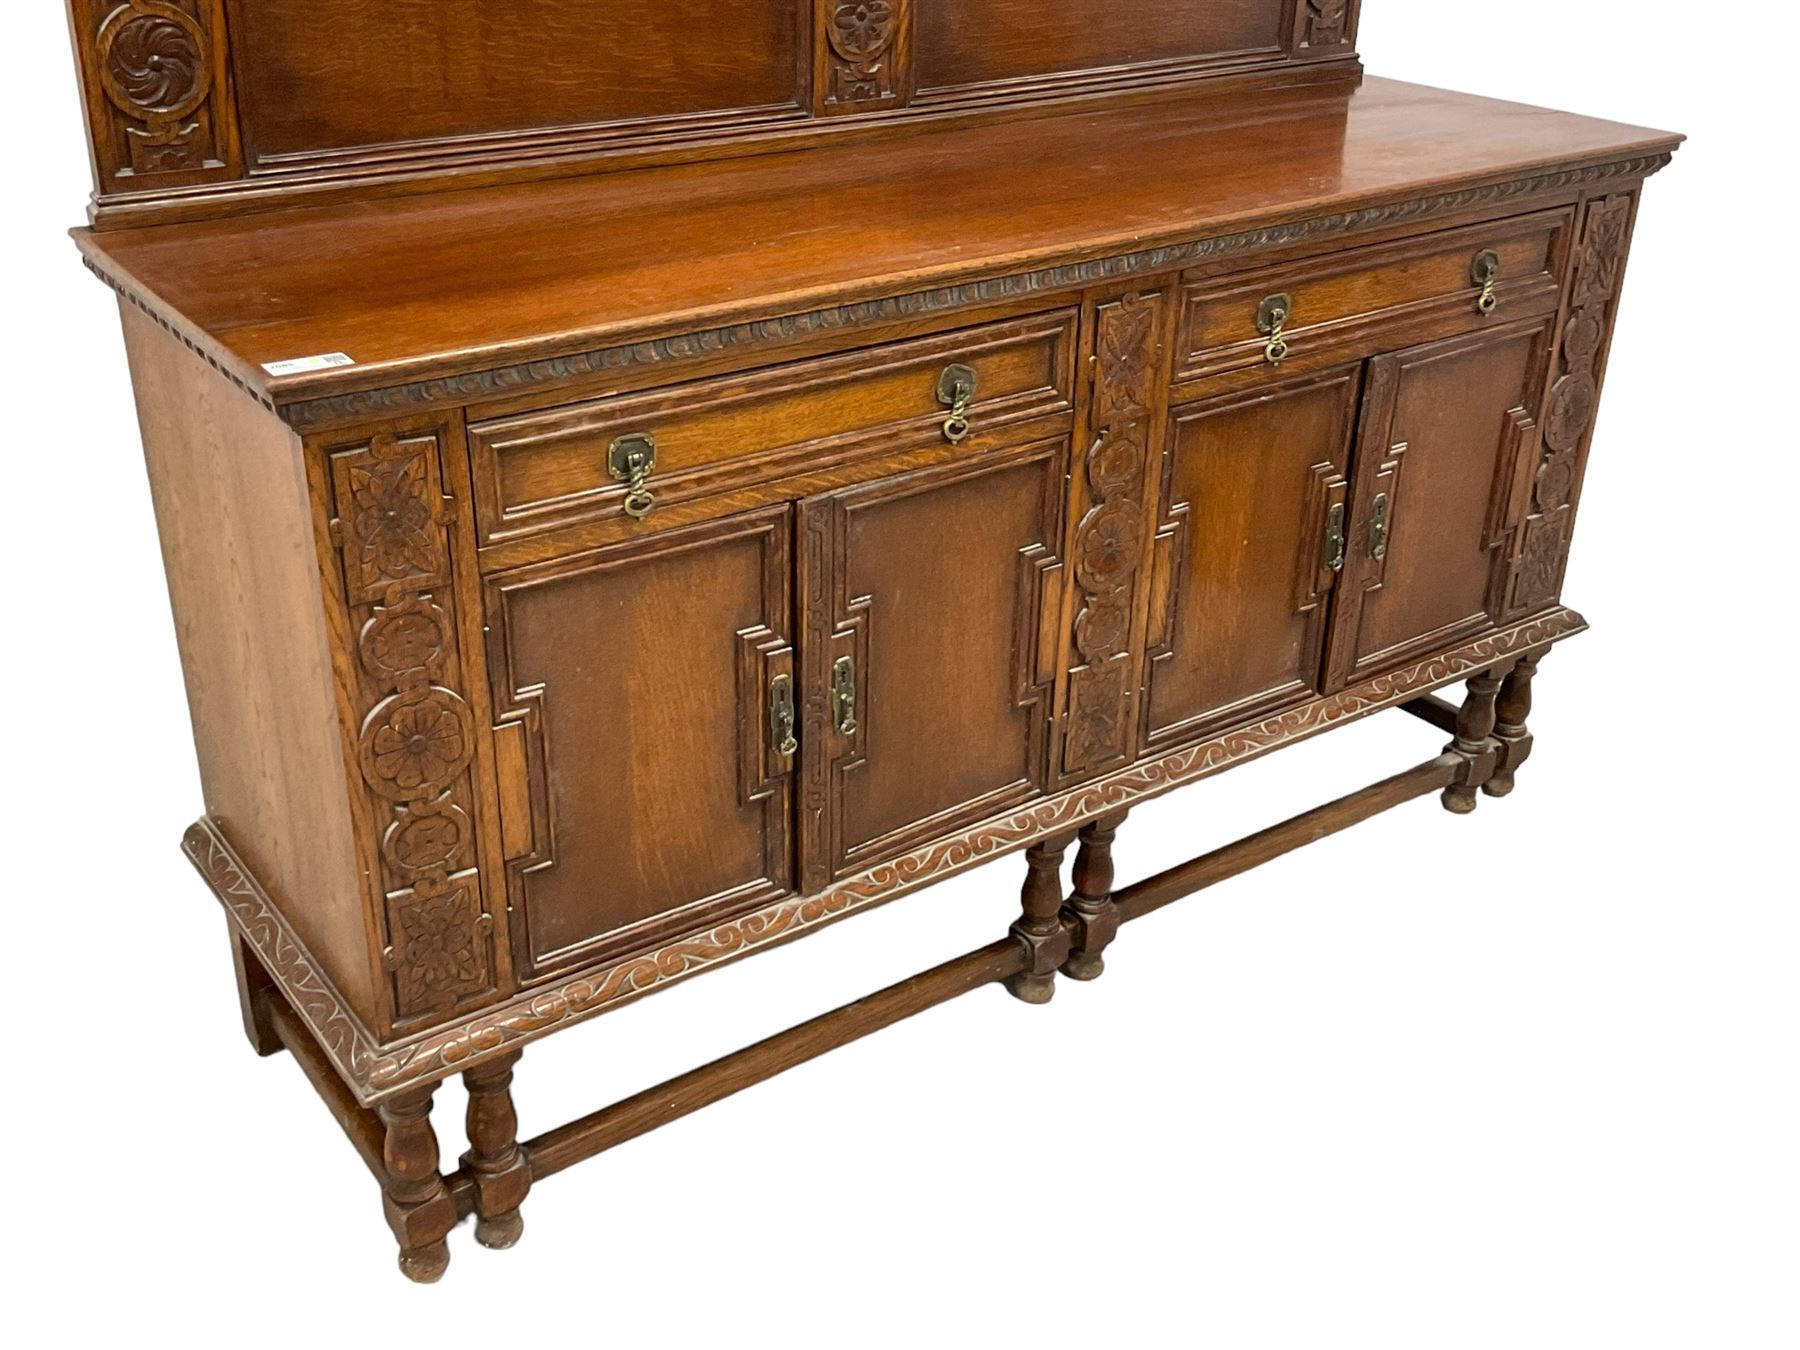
x: 1109, y: 543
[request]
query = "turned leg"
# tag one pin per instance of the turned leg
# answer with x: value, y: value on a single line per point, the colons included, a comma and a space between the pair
x: 255, y: 989
x: 1090, y: 908
x: 1512, y: 710
x: 501, y: 1169
x: 1041, y: 928
x: 419, y: 1208
x: 1474, y: 742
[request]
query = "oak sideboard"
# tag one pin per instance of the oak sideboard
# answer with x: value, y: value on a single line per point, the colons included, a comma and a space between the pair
x: 639, y: 482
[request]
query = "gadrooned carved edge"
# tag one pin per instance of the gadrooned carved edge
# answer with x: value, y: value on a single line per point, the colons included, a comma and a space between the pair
x: 374, y: 1072
x: 136, y: 301
x: 453, y: 389
x: 508, y: 379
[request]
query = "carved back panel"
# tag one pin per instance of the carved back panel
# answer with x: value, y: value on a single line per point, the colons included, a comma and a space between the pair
x: 200, y: 107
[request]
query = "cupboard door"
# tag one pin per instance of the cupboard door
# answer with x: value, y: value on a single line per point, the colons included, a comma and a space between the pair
x: 1255, y: 494
x: 929, y: 649
x: 1437, y: 491
x: 644, y: 786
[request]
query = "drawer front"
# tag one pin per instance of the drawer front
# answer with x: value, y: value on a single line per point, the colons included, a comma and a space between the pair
x: 1363, y: 294
x: 542, y: 471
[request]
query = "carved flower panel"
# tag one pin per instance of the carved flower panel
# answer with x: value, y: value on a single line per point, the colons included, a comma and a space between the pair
x: 1097, y: 718
x: 439, y: 950
x: 1127, y: 359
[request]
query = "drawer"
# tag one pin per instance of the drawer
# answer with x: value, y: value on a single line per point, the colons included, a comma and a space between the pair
x: 1361, y: 294
x: 545, y: 470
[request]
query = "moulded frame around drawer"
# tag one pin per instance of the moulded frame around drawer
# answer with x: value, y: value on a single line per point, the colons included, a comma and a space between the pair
x: 1359, y: 296
x: 542, y: 471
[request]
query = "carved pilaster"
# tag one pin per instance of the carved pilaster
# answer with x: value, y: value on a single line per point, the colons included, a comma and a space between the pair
x: 1113, y: 537
x: 864, y: 54
x: 1537, y: 572
x: 416, y: 740
x: 1325, y: 27
x: 157, y: 91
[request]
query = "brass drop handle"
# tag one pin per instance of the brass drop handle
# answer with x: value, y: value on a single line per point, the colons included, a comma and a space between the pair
x: 956, y: 391
x: 1485, y: 273
x: 630, y: 460
x: 1334, y: 538
x: 843, y: 695
x: 781, y: 715
x: 1272, y: 317
x: 1378, y: 527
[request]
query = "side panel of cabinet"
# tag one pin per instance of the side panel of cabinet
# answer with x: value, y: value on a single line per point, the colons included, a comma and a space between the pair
x: 930, y: 602
x: 644, y: 791
x: 1245, y: 551
x: 1447, y: 433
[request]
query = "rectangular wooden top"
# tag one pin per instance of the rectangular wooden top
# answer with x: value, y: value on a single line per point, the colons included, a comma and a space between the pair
x: 441, y: 286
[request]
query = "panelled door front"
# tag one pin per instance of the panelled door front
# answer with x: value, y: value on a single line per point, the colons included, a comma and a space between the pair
x: 929, y: 652
x: 1254, y: 528
x: 646, y: 697
x: 1440, y: 458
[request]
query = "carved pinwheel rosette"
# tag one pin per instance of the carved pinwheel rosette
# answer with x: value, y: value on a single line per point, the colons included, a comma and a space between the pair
x: 153, y: 61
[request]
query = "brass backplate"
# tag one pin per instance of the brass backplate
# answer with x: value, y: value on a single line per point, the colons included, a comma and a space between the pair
x: 957, y: 385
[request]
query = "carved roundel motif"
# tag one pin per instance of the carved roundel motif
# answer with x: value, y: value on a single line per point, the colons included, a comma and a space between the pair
x: 153, y: 60
x: 1114, y: 463
x: 1107, y: 551
x: 1582, y: 338
x: 412, y: 746
x: 1555, y: 482
x: 1571, y: 409
x: 428, y: 838
x: 399, y: 642
x: 1103, y: 627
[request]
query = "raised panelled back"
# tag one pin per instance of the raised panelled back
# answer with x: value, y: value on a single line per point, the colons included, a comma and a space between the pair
x: 318, y: 76
x: 964, y: 42
x: 203, y: 107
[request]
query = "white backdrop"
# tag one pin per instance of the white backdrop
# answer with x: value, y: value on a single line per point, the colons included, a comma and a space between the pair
x: 1523, y: 1079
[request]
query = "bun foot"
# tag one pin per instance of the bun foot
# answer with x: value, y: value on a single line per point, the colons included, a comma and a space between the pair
x: 1084, y: 966
x: 500, y: 1232
x: 1499, y: 785
x: 425, y: 1265
x: 1459, y: 801
x: 1032, y: 988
